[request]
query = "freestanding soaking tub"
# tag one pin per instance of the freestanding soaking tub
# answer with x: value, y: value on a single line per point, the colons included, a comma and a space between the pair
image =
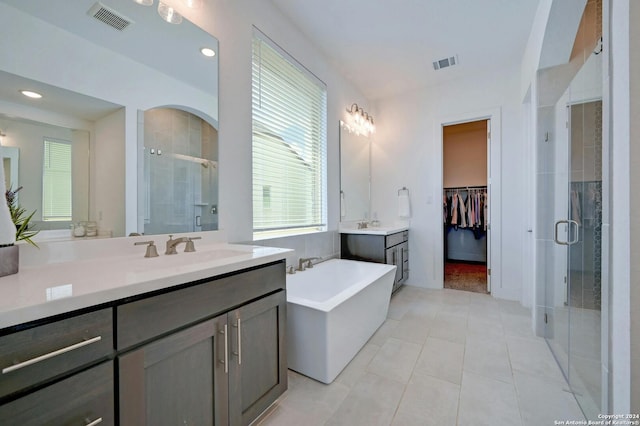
x: 332, y: 310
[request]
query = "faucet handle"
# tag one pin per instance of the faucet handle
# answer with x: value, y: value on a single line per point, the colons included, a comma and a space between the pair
x: 152, y: 251
x: 189, y: 246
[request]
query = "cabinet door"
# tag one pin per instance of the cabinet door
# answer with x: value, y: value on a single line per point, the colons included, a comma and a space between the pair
x: 178, y: 380
x: 85, y: 398
x: 258, y: 365
x: 394, y: 257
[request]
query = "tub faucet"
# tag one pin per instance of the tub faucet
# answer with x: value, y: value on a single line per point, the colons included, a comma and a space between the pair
x: 305, y: 262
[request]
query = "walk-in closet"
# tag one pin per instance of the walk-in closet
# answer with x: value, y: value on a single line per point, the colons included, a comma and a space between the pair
x: 466, y: 204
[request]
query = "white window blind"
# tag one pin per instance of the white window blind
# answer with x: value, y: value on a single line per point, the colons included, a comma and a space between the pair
x: 289, y: 144
x: 56, y: 181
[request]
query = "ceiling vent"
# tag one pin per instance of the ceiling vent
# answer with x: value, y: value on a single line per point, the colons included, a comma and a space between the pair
x: 109, y: 16
x: 446, y: 62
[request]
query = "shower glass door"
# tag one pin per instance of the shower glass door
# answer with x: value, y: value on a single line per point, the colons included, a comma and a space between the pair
x: 569, y: 213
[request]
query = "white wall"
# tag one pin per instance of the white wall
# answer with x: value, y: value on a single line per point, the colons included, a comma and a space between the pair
x: 231, y: 22
x: 634, y: 70
x: 108, y: 174
x: 619, y: 229
x: 407, y: 152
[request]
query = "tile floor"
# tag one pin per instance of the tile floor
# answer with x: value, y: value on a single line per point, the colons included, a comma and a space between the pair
x: 443, y: 357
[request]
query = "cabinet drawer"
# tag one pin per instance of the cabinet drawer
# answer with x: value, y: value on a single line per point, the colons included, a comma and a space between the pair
x: 36, y: 354
x: 395, y: 239
x: 144, y: 319
x: 83, y: 399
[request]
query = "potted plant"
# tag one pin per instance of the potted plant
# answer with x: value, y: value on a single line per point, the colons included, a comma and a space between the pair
x: 21, y: 226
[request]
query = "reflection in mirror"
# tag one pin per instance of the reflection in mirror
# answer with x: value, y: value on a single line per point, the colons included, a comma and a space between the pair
x: 355, y: 164
x: 180, y: 183
x: 49, y: 150
x: 147, y: 64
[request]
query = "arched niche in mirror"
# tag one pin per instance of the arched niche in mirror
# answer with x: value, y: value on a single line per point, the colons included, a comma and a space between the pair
x: 355, y: 164
x: 178, y: 189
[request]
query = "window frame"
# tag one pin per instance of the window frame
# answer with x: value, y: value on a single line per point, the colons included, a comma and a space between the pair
x: 265, y: 132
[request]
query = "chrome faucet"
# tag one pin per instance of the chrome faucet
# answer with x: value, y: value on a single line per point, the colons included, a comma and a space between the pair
x: 172, y: 244
x: 305, y: 262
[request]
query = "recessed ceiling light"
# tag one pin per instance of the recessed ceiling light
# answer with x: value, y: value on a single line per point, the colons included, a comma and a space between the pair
x: 208, y: 52
x: 144, y: 2
x: 30, y: 94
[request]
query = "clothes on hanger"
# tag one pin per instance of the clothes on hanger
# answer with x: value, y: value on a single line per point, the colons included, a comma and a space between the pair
x: 466, y: 208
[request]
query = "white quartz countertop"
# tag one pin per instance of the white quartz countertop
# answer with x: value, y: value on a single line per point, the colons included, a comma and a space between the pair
x: 42, y: 291
x: 375, y: 230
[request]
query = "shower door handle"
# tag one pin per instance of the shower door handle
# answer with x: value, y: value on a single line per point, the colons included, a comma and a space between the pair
x: 576, y: 234
x: 555, y: 234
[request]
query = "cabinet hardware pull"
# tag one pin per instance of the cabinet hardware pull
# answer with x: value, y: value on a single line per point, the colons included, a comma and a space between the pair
x: 95, y: 422
x: 225, y: 361
x: 50, y: 355
x: 239, y: 353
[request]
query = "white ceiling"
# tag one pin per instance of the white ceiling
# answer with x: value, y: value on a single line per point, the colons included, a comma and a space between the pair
x: 387, y: 47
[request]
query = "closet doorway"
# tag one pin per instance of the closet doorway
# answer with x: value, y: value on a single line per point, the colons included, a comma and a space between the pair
x: 466, y: 206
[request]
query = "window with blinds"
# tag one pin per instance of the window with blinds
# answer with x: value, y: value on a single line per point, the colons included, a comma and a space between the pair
x: 56, y: 181
x: 289, y: 144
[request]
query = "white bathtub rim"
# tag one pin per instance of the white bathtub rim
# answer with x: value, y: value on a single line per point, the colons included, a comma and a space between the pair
x: 337, y: 299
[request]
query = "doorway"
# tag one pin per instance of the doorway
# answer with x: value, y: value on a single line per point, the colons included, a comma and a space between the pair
x: 466, y: 205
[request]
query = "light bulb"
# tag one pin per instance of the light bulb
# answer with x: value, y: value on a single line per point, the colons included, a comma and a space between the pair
x: 169, y: 14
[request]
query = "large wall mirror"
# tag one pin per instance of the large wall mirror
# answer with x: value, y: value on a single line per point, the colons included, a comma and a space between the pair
x: 355, y: 175
x: 98, y: 83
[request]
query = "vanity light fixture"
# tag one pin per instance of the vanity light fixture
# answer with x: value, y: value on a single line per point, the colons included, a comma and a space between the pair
x: 144, y: 2
x: 31, y: 94
x: 360, y: 122
x: 208, y: 52
x: 169, y: 14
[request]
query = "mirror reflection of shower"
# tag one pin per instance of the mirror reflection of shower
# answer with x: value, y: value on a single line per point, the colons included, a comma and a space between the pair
x: 180, y: 172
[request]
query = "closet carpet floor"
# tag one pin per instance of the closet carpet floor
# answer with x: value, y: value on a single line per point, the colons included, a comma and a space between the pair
x: 465, y: 276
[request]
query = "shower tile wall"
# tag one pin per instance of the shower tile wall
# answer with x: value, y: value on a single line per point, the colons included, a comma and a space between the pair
x: 179, y: 187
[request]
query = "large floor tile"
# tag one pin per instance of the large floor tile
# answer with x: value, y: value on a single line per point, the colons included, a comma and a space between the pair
x: 428, y: 401
x: 488, y: 357
x: 534, y: 357
x: 395, y: 360
x: 315, y: 399
x: 442, y: 359
x: 372, y: 401
x: 384, y: 332
x: 412, y: 328
x: 448, y: 327
x: 542, y: 401
x: 485, y: 401
x: 517, y: 325
x: 358, y: 365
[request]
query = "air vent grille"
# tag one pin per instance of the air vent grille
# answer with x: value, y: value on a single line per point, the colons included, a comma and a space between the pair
x: 446, y: 62
x: 109, y: 16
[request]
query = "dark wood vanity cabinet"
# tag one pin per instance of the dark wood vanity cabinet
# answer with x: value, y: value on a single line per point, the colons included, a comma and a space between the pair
x: 211, y: 353
x: 258, y: 364
x: 207, y: 353
x: 85, y: 398
x: 392, y: 249
x: 223, y: 371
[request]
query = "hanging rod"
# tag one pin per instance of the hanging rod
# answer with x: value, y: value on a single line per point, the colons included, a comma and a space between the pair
x: 453, y: 188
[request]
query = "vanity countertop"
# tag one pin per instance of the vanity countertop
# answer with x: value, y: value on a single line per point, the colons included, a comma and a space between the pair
x: 39, y: 292
x: 375, y: 230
